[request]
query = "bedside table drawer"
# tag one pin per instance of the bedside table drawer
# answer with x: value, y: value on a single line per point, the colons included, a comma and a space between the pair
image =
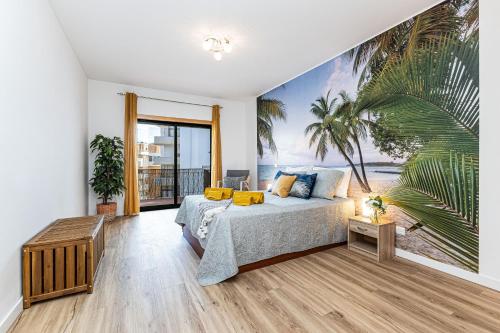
x: 367, y: 229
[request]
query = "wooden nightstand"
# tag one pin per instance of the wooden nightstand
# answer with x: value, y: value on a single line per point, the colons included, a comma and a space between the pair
x: 375, y: 241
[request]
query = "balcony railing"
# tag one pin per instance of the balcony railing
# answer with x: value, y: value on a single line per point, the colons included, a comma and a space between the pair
x: 157, y: 185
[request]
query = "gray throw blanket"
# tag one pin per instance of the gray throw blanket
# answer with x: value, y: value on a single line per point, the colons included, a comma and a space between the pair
x: 244, y: 234
x: 208, y: 212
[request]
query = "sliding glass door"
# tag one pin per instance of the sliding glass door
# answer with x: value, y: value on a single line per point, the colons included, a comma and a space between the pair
x: 173, y: 161
x: 193, y: 160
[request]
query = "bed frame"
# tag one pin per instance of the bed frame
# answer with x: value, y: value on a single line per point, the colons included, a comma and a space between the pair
x: 195, y: 244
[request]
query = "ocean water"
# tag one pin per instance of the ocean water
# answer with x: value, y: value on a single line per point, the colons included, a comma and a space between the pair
x: 376, y: 174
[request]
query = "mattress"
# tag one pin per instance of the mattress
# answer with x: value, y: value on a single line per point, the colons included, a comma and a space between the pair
x: 246, y: 234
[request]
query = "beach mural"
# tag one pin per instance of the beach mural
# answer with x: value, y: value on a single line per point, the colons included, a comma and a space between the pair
x: 402, y: 110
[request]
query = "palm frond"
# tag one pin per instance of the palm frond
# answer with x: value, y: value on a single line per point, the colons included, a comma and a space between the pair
x: 312, y: 127
x: 265, y: 133
x: 316, y: 130
x: 443, y: 201
x: 318, y: 111
x: 430, y: 25
x: 433, y: 95
x: 339, y: 134
x: 344, y: 109
x: 271, y: 108
x: 268, y: 110
x: 322, y: 147
x: 371, y: 56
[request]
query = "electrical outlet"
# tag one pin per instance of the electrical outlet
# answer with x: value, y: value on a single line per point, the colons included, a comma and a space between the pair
x: 400, y: 231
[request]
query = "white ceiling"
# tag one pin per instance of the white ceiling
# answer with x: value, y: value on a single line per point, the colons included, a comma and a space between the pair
x: 157, y: 43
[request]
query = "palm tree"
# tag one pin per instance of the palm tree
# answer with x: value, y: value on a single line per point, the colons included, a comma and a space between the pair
x: 404, y: 38
x: 268, y: 110
x: 331, y: 130
x: 434, y: 95
x: 351, y: 117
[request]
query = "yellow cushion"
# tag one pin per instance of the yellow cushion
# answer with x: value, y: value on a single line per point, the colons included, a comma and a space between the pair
x: 218, y: 193
x: 242, y: 201
x: 213, y: 195
x: 283, y: 185
x: 247, y: 198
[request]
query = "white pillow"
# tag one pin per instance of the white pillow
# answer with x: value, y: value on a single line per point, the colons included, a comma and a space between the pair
x: 343, y: 185
x: 302, y: 169
x: 326, y: 183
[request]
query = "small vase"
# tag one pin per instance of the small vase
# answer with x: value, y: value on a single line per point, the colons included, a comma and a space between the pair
x: 374, y: 217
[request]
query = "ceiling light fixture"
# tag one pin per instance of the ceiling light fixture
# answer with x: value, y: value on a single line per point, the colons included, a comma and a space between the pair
x: 217, y: 46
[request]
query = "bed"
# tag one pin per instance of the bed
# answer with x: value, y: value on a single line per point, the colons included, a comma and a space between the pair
x: 244, y: 237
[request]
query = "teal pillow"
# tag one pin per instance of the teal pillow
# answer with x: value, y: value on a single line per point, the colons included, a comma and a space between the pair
x: 303, y: 186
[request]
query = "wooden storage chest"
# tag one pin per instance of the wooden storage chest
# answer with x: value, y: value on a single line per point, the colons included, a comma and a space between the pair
x: 62, y: 259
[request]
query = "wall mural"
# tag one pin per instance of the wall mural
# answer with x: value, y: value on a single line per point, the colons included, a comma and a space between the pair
x: 402, y: 110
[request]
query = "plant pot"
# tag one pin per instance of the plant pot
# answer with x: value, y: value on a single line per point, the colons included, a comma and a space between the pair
x: 108, y: 210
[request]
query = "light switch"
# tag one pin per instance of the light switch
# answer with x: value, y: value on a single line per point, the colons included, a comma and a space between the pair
x: 400, y: 231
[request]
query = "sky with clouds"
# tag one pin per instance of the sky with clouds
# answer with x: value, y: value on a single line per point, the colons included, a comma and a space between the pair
x: 297, y: 95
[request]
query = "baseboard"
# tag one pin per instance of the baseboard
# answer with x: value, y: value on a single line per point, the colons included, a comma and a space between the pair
x: 11, y: 316
x: 452, y: 270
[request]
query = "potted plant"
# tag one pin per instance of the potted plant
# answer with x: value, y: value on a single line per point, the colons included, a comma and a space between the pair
x: 377, y: 206
x: 107, y: 180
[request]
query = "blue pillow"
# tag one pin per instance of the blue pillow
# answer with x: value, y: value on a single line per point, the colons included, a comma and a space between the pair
x: 303, y: 186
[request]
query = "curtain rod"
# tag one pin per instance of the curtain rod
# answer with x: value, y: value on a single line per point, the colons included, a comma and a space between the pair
x: 169, y: 100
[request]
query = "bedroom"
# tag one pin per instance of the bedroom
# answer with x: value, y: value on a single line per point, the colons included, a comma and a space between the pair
x: 349, y: 137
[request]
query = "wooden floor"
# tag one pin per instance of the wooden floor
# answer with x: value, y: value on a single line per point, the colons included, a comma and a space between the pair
x: 147, y: 284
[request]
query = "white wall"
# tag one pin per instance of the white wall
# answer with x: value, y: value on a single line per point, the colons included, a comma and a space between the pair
x: 43, y: 135
x: 489, y: 151
x: 106, y: 116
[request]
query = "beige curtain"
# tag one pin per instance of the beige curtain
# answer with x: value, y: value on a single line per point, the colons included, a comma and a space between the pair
x: 131, y: 206
x: 216, y: 150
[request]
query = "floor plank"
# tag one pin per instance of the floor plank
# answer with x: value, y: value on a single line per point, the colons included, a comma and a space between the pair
x: 147, y: 284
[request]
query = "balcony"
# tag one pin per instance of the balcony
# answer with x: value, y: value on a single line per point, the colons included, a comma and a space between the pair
x: 156, y: 186
x: 163, y: 140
